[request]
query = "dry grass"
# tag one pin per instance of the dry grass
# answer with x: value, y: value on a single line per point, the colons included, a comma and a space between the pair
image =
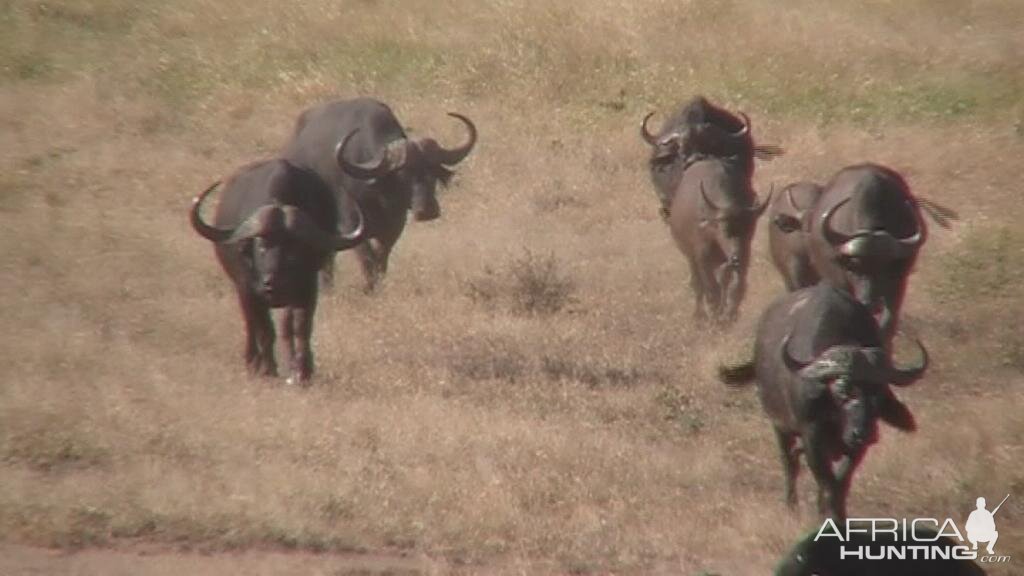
x: 588, y: 432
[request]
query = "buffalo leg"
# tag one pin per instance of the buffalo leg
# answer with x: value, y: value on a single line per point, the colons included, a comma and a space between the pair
x: 302, y: 330
x: 790, y: 464
x: 286, y: 337
x: 697, y: 285
x: 844, y: 478
x: 820, y: 465
x: 712, y: 288
x: 259, y: 330
x: 373, y: 258
x: 735, y: 288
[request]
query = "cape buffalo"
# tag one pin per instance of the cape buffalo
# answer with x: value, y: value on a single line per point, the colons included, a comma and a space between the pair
x: 699, y: 129
x: 713, y: 216
x: 787, y: 234
x: 823, y: 377
x: 274, y: 228
x: 808, y: 558
x: 865, y: 233
x: 361, y: 150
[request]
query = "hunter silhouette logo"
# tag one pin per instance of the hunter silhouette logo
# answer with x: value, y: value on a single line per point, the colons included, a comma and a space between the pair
x: 981, y: 525
x: 916, y: 538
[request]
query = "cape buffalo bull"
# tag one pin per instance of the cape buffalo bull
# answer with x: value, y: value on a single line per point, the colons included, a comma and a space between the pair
x: 275, y: 227
x: 787, y: 234
x: 713, y: 216
x: 823, y: 377
x: 699, y: 129
x: 865, y: 233
x: 359, y: 148
x: 824, y: 557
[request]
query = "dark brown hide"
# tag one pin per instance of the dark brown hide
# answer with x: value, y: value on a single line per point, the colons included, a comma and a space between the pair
x: 713, y: 217
x: 787, y: 234
x: 274, y: 228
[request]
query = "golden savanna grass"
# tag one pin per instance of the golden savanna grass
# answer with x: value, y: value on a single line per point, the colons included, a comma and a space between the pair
x: 528, y: 389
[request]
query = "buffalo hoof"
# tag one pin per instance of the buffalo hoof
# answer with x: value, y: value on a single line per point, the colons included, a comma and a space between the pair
x: 699, y: 316
x: 263, y: 367
x: 298, y: 380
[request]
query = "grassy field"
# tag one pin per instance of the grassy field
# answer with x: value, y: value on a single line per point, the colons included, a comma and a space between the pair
x: 527, y: 389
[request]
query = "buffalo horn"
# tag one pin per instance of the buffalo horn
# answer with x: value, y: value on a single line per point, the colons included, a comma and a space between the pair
x: 704, y: 195
x: 211, y: 233
x: 375, y: 168
x: 458, y: 154
x: 792, y: 203
x: 792, y: 363
x: 906, y: 376
x: 645, y: 133
x: 914, y: 240
x: 745, y: 129
x: 831, y: 235
x: 259, y: 220
x: 304, y: 228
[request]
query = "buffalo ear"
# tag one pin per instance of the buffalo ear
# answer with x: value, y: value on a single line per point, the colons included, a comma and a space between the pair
x: 896, y: 413
x: 786, y: 223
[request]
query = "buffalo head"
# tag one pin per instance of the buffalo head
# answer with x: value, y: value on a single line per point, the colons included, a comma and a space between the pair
x: 855, y: 380
x: 689, y: 139
x: 415, y: 164
x: 790, y: 217
x: 283, y: 243
x: 875, y: 262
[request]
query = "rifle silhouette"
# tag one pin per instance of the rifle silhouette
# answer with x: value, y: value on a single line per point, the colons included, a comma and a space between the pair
x: 996, y: 509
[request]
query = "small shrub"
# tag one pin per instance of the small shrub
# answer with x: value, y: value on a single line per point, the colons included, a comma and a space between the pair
x: 594, y: 376
x: 677, y: 407
x: 527, y: 285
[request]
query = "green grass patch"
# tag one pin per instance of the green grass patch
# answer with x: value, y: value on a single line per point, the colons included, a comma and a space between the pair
x: 988, y: 265
x: 890, y: 97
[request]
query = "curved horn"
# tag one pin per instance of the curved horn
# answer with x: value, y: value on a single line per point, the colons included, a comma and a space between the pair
x: 303, y: 227
x: 792, y: 363
x: 456, y: 155
x: 758, y: 208
x: 792, y: 203
x: 704, y: 195
x: 745, y: 129
x: 905, y: 376
x: 914, y: 240
x: 645, y: 133
x: 375, y: 168
x: 211, y: 233
x: 834, y: 238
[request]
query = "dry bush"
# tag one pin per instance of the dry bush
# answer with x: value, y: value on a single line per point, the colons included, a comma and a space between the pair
x: 528, y: 284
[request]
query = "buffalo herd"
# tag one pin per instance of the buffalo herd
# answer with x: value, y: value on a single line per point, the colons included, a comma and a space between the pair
x: 349, y: 175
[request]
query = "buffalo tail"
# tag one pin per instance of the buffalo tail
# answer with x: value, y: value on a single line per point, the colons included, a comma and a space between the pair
x: 737, y: 375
